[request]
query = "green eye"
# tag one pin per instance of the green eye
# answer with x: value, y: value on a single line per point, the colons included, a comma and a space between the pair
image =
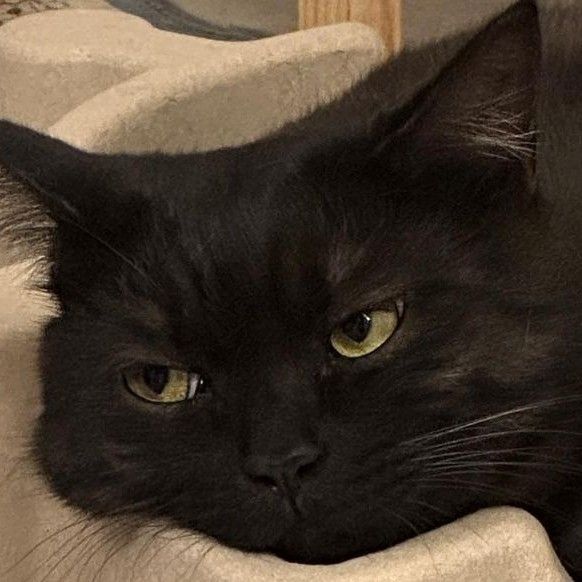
x: 163, y: 385
x: 364, y: 332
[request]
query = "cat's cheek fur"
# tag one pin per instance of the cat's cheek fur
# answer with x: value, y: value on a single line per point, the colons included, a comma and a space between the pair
x: 108, y: 453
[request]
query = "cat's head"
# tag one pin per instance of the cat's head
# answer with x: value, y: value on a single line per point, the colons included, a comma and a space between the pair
x: 278, y: 344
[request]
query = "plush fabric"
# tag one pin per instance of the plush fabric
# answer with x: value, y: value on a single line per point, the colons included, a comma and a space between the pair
x: 110, y: 82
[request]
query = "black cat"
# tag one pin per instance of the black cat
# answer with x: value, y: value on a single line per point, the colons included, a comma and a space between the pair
x: 328, y: 341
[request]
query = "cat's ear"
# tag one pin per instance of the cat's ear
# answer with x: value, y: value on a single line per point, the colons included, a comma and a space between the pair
x: 74, y: 188
x: 483, y: 103
x: 64, y: 204
x: 65, y: 181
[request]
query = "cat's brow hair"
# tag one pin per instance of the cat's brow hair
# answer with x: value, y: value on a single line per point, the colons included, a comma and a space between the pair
x: 138, y: 308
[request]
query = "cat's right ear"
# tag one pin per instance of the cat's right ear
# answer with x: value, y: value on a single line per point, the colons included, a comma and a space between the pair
x: 66, y: 205
x: 67, y: 182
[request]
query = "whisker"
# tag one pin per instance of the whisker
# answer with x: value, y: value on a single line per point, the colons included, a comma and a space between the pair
x: 477, y: 466
x: 525, y: 502
x: 521, y: 431
x: 79, y: 543
x: 465, y: 485
x: 115, y: 550
x: 86, y: 553
x: 477, y: 471
x: 471, y: 454
x: 429, y: 506
x: 147, y: 544
x: 417, y: 532
x: 203, y: 556
x: 44, y: 541
x: 506, y: 413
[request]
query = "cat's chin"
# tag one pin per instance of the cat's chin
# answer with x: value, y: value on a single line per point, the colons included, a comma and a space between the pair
x: 311, y: 544
x: 313, y: 531
x: 305, y: 550
x: 307, y: 556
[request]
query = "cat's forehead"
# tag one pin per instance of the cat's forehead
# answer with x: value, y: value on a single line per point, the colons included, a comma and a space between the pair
x: 264, y: 264
x: 282, y: 221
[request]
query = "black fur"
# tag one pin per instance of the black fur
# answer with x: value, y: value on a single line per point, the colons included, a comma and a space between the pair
x: 240, y: 262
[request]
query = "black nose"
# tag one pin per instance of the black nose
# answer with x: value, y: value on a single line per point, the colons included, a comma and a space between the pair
x: 283, y: 472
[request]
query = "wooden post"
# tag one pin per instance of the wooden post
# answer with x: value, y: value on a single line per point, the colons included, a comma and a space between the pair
x: 383, y: 15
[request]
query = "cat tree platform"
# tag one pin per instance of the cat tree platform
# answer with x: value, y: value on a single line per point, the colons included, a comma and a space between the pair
x: 109, y: 82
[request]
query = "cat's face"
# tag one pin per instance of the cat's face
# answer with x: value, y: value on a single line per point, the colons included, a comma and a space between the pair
x: 279, y: 345
x: 280, y: 406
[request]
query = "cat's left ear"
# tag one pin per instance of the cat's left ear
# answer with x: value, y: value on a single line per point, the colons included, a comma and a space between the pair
x: 483, y: 103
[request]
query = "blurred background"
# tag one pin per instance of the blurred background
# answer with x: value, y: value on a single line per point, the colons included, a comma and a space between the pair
x: 246, y: 19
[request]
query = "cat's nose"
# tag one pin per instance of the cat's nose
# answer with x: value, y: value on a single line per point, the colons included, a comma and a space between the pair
x: 283, y: 472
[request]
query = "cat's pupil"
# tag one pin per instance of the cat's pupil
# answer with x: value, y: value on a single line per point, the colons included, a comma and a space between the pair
x: 156, y: 378
x: 357, y: 327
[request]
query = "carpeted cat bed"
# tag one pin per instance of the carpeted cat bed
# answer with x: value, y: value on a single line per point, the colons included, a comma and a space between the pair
x: 106, y: 81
